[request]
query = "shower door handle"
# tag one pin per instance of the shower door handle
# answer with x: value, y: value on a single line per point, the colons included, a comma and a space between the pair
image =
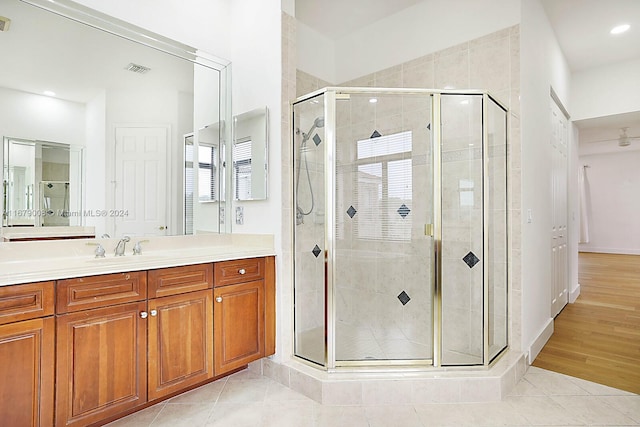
x: 428, y: 230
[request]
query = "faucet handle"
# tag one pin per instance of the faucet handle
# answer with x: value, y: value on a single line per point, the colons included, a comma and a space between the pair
x: 99, y: 249
x: 137, y: 248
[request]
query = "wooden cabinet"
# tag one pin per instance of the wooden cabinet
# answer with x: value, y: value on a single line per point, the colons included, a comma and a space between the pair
x: 110, y: 344
x: 101, y: 367
x: 101, y: 364
x: 180, y: 328
x: 244, y: 317
x: 238, y: 325
x: 83, y: 293
x: 27, y: 333
x: 178, y: 280
x: 116, y: 349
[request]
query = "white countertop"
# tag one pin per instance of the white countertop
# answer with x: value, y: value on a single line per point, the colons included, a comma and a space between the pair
x: 16, y: 233
x: 35, y: 261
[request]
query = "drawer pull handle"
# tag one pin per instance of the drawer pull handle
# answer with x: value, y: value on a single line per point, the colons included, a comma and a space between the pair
x: 144, y: 314
x: 218, y: 299
x: 242, y: 271
x: 153, y: 313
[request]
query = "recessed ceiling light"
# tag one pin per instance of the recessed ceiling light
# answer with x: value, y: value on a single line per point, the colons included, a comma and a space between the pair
x: 49, y: 93
x: 620, y: 29
x: 373, y: 100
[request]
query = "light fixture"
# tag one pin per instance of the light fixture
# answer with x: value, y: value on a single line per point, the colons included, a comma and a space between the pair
x: 620, y: 29
x: 49, y: 93
x: 373, y: 100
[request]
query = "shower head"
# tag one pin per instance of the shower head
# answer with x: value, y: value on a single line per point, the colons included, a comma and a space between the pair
x: 317, y: 123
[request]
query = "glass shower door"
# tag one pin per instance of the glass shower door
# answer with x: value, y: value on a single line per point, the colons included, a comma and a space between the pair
x: 463, y: 259
x: 384, y: 214
x: 309, y: 236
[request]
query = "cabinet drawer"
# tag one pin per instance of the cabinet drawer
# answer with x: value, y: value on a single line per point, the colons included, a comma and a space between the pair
x: 238, y: 271
x: 100, y: 291
x: 178, y: 280
x: 28, y: 301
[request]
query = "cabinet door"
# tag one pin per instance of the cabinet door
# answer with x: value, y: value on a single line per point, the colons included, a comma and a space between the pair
x: 26, y: 373
x: 180, y: 342
x: 101, y: 363
x: 238, y: 325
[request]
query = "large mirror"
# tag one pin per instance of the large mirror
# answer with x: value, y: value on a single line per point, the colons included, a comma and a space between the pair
x: 42, y: 184
x: 249, y: 155
x: 126, y: 98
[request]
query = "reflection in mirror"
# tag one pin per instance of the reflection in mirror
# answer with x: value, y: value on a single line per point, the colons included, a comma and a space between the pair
x: 42, y: 184
x: 209, y: 173
x: 189, y: 181
x: 119, y: 90
x: 249, y: 175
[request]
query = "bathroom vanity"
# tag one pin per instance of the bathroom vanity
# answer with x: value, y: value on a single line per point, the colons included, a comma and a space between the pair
x: 83, y: 345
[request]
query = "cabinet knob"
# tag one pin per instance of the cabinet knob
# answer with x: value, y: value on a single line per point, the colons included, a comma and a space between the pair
x: 218, y: 299
x: 144, y: 314
x: 242, y: 271
x: 153, y: 313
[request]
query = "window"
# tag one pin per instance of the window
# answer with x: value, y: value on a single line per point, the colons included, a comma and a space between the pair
x: 207, y: 173
x: 242, y: 169
x: 188, y: 184
x: 383, y: 187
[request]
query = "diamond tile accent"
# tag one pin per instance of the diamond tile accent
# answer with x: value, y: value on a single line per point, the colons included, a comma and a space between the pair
x: 471, y: 259
x: 375, y: 134
x: 404, y: 298
x: 316, y: 139
x: 404, y: 210
x: 429, y: 126
x: 316, y: 251
x: 351, y: 211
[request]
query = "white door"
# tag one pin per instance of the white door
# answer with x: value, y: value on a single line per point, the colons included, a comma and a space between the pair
x: 141, y: 184
x: 559, y: 267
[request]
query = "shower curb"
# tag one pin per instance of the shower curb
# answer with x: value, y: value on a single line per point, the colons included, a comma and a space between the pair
x: 401, y: 386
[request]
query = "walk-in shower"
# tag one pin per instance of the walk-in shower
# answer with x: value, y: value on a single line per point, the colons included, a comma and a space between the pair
x: 400, y: 236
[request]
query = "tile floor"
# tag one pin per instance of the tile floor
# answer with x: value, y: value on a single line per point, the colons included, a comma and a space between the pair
x: 248, y: 399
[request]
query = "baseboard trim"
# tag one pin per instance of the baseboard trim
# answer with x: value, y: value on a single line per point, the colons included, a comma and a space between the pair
x: 574, y: 294
x: 540, y: 341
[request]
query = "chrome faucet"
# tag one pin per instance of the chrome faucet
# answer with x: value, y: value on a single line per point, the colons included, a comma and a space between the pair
x: 120, y: 246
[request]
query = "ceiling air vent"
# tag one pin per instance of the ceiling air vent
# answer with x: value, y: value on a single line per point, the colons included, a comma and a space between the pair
x: 4, y: 24
x: 140, y: 69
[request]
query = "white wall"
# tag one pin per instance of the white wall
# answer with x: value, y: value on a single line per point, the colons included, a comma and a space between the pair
x: 95, y: 188
x: 315, y: 53
x: 29, y: 116
x: 542, y: 66
x: 257, y: 78
x: 603, y: 91
x: 613, y: 182
x: 573, y: 210
x: 429, y: 26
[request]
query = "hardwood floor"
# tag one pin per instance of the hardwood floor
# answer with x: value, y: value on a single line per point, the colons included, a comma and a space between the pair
x: 597, y: 338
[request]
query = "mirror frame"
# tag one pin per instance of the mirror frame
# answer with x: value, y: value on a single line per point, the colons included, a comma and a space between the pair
x: 117, y: 27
